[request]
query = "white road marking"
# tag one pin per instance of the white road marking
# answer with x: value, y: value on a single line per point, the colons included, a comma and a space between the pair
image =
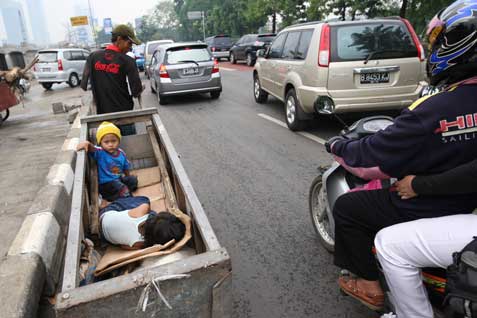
x: 227, y: 69
x: 284, y: 125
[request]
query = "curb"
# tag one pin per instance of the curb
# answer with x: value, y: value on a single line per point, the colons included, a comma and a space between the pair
x: 34, y: 261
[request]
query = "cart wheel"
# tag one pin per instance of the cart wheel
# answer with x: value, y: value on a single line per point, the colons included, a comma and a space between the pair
x: 4, y: 115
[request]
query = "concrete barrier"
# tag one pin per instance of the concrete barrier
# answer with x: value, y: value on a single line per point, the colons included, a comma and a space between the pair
x: 33, y: 263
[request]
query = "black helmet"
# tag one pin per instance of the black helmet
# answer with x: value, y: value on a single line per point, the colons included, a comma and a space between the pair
x: 452, y: 36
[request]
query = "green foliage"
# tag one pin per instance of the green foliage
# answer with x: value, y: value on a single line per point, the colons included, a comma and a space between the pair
x: 421, y: 12
x: 238, y: 17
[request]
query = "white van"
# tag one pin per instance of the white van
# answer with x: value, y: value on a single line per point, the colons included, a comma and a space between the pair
x: 60, y: 65
x: 149, y: 51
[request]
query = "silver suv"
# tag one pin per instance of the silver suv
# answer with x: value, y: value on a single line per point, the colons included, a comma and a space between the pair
x: 60, y: 65
x: 337, y: 67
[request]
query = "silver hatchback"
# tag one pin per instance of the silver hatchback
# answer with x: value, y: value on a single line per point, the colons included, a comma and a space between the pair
x: 60, y: 65
x: 184, y: 68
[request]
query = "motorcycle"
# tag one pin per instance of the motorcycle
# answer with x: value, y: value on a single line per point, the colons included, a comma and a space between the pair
x: 334, y: 181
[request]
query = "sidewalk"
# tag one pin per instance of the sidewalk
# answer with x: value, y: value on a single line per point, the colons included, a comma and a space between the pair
x: 30, y: 140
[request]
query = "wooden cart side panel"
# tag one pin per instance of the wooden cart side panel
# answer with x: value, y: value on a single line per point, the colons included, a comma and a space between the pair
x: 75, y: 227
x: 222, y: 297
x: 134, y: 115
x: 198, y: 214
x: 189, y: 297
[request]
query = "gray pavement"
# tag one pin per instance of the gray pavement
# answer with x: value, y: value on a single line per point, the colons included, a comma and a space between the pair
x: 29, y: 143
x: 253, y: 176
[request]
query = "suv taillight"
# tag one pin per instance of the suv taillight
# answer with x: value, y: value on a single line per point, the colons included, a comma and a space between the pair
x: 60, y: 65
x: 213, y: 49
x: 259, y: 43
x: 420, y: 49
x: 163, y: 71
x: 216, y: 67
x: 324, y: 51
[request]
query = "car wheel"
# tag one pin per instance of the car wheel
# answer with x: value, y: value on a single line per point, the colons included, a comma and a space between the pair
x: 292, y: 111
x: 73, y: 81
x: 260, y: 95
x: 163, y: 100
x: 153, y: 90
x: 47, y: 86
x: 319, y: 214
x: 214, y: 95
x: 232, y: 58
x: 250, y: 60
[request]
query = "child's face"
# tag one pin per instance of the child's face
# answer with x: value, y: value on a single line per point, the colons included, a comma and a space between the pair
x: 110, y: 143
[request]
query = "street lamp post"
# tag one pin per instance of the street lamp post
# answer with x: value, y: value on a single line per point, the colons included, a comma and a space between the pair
x: 92, y: 24
x: 203, y: 24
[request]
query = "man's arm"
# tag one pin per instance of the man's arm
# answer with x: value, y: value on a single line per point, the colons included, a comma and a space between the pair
x: 86, y: 73
x: 459, y: 180
x: 133, y: 78
x: 388, y: 153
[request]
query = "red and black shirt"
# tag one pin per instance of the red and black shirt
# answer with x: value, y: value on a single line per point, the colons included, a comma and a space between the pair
x: 107, y: 70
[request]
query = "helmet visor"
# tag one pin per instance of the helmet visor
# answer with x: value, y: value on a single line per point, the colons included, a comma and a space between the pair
x: 435, y: 28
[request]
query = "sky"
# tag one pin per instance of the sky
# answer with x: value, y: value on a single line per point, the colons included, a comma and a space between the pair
x: 120, y: 11
x: 58, y: 13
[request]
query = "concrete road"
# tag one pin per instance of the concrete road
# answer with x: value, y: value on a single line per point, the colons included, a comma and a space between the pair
x: 252, y: 176
x: 30, y: 140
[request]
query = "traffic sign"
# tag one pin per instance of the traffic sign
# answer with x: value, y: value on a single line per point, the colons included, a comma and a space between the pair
x: 194, y: 15
x: 79, y: 20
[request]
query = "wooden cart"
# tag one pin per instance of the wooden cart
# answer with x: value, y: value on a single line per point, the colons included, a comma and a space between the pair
x: 195, y: 286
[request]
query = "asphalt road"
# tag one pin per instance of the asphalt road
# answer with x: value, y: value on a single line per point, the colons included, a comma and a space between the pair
x: 252, y: 175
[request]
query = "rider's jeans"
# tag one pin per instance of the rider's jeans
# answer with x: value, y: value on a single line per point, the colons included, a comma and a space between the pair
x: 404, y: 248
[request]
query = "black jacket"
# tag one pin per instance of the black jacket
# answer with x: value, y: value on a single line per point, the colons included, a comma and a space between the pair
x: 107, y: 70
x: 433, y: 135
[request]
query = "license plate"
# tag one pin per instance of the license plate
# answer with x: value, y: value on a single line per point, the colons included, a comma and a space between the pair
x: 374, y: 78
x: 191, y: 71
x: 46, y: 69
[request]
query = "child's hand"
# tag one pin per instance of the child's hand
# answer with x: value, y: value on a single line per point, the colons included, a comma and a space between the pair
x: 404, y: 188
x: 83, y: 146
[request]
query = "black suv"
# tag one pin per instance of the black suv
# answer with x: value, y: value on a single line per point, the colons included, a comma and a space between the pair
x: 219, y: 45
x: 247, y: 46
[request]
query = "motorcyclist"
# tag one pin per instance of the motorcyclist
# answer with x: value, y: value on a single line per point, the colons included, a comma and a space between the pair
x: 405, y: 248
x: 435, y: 134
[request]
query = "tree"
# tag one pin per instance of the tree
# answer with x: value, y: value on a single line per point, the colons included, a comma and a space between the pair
x: 420, y: 12
x: 316, y: 10
x: 162, y: 23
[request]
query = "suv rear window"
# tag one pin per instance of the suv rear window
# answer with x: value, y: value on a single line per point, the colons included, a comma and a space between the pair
x: 265, y: 38
x: 222, y: 41
x: 178, y: 55
x: 385, y: 40
x: 47, y: 56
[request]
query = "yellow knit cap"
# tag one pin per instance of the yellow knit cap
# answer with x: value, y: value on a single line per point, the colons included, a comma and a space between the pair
x: 107, y: 128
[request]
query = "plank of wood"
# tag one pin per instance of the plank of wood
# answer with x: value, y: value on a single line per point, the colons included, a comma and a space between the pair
x: 130, y: 114
x: 166, y: 182
x: 94, y: 194
x: 197, y: 212
x: 75, y: 228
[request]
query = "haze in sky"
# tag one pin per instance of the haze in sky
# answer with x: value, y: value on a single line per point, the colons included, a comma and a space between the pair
x: 58, y: 12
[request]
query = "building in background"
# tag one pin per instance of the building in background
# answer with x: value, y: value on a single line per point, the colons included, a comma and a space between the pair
x: 14, y: 22
x: 36, y: 13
